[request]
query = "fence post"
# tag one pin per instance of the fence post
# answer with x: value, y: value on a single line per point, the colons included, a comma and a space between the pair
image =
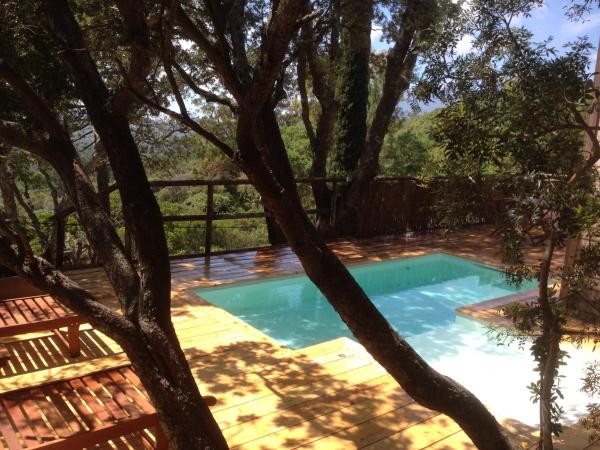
x: 59, y: 240
x: 209, y: 219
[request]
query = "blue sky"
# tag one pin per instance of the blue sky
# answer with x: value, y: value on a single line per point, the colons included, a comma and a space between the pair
x: 546, y: 20
x: 550, y: 20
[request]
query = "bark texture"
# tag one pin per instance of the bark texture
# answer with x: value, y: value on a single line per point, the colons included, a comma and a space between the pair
x: 144, y: 330
x: 6, y: 187
x: 352, y: 83
x: 262, y: 155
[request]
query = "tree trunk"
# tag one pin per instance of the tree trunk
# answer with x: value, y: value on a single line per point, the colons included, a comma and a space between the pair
x: 551, y: 340
x: 548, y: 378
x: 422, y: 382
x: 323, y: 203
x: 35, y: 222
x: 103, y: 180
x: 352, y: 86
x: 144, y: 289
x: 324, y: 90
x: 572, y: 250
x: 187, y: 420
x: 274, y: 233
x: 6, y: 186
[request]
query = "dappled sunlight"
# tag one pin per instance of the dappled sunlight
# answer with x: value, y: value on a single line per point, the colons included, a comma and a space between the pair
x: 47, y: 351
x: 270, y: 397
x: 327, y: 396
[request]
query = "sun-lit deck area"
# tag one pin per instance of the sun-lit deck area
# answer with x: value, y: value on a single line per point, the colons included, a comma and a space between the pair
x: 328, y: 396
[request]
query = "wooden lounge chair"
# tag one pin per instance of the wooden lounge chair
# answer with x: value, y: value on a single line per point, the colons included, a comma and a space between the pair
x: 79, y: 413
x: 4, y: 355
x: 39, y: 313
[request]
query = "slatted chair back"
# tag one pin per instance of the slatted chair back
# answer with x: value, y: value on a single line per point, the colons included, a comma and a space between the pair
x: 39, y: 313
x: 79, y: 413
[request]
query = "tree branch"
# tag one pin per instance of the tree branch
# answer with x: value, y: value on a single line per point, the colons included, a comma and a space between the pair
x: 138, y: 38
x: 13, y: 134
x: 301, y: 76
x: 207, y: 95
x: 32, y: 102
x: 282, y: 26
x: 31, y: 215
x: 167, y: 58
x: 47, y: 278
x: 238, y: 41
x: 201, y: 39
x: 189, y: 122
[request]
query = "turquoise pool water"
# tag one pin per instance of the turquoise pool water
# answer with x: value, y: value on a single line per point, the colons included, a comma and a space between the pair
x: 416, y: 295
x: 419, y: 297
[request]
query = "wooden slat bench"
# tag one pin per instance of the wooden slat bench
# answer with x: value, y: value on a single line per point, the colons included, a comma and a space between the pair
x: 78, y: 413
x: 4, y: 355
x: 39, y: 313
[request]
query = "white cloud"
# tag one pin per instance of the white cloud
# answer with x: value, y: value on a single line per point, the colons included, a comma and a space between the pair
x: 574, y: 29
x: 465, y: 45
x: 376, y: 33
x: 537, y: 13
x: 540, y: 12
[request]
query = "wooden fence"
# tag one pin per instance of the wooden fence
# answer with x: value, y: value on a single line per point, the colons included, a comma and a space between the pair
x: 394, y: 206
x: 391, y: 206
x: 208, y: 218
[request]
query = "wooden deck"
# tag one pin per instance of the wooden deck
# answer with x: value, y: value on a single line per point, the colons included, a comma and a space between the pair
x: 328, y: 396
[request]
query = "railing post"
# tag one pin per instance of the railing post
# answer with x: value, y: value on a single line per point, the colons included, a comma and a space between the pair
x: 59, y: 240
x: 209, y: 218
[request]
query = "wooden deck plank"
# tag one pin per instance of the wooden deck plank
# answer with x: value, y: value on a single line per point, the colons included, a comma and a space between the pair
x: 341, y: 425
x: 12, y: 406
x: 7, y: 430
x: 55, y: 420
x: 70, y: 422
x: 420, y: 435
x: 456, y: 441
x: 33, y: 409
x: 324, y: 405
x: 324, y: 397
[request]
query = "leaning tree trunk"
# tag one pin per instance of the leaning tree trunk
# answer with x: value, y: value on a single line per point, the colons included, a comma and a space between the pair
x: 152, y: 348
x: 422, y: 382
x: 167, y: 377
x: 144, y: 288
x: 274, y: 233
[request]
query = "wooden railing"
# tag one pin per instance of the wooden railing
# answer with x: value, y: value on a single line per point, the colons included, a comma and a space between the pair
x: 208, y: 218
x: 392, y: 205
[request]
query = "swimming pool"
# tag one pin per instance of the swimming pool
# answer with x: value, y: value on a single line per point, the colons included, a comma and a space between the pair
x: 418, y: 296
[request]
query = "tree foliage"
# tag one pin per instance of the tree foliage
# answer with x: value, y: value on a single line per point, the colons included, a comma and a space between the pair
x: 521, y: 110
